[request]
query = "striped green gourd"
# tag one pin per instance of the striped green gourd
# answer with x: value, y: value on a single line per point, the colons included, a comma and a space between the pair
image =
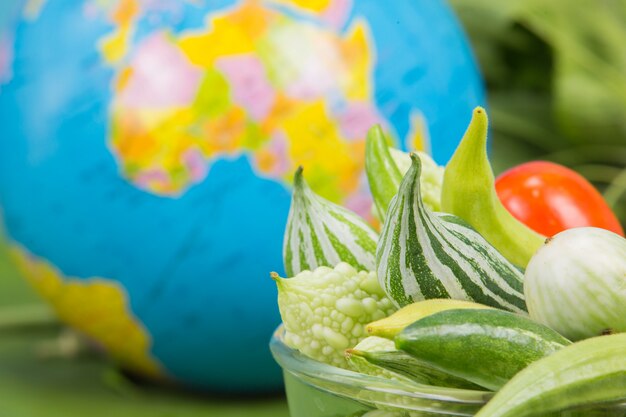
x: 385, y: 166
x: 383, y: 174
x: 321, y: 233
x: 423, y: 255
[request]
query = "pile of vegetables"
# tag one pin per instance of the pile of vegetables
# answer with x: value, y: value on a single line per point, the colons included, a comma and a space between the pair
x: 458, y: 290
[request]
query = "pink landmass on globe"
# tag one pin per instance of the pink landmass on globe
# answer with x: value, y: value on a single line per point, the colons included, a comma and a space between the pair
x: 6, y: 57
x: 162, y: 5
x: 357, y: 118
x: 337, y: 13
x: 148, y: 178
x: 91, y: 10
x: 311, y: 61
x: 250, y: 86
x: 278, y: 147
x: 317, y: 74
x: 196, y: 164
x: 162, y: 77
x: 360, y: 201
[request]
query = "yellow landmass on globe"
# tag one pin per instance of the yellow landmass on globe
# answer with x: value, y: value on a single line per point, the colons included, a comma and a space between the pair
x: 164, y: 147
x: 115, y: 46
x: 316, y: 6
x: 253, y: 80
x: 418, y: 137
x: 95, y: 306
x: 233, y: 33
x: 315, y: 136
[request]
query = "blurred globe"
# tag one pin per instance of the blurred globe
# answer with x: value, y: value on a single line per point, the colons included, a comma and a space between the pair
x: 146, y: 149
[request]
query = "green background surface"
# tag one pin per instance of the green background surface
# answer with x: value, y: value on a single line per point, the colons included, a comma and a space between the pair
x: 38, y: 380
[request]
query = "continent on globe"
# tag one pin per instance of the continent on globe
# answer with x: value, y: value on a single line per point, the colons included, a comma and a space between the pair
x: 97, y: 307
x: 147, y: 149
x: 245, y: 84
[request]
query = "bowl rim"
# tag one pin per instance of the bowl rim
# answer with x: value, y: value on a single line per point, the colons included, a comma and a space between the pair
x: 337, y: 380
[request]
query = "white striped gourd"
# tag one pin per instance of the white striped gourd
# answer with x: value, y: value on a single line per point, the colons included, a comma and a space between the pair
x: 385, y: 166
x: 423, y: 255
x: 321, y: 233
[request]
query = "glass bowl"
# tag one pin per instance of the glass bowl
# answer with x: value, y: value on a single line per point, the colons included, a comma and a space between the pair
x: 316, y: 389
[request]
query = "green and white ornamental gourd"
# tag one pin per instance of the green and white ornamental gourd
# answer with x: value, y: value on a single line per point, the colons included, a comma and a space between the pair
x: 576, y: 283
x: 431, y: 180
x: 423, y: 255
x: 385, y: 166
x: 321, y: 233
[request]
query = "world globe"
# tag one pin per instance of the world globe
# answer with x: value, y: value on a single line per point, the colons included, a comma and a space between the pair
x: 147, y: 149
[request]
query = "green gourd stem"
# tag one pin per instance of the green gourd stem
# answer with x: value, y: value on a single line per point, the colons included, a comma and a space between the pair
x: 583, y: 374
x: 469, y: 192
x: 383, y: 174
x: 298, y: 178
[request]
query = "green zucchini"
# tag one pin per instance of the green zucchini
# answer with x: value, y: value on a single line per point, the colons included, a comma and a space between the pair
x: 321, y: 233
x: 581, y: 375
x: 486, y: 347
x: 469, y: 192
x: 422, y: 255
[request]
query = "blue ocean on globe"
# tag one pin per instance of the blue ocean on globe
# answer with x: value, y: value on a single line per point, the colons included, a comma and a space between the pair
x: 147, y: 149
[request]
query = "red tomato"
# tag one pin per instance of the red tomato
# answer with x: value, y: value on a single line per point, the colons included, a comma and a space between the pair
x: 550, y: 198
